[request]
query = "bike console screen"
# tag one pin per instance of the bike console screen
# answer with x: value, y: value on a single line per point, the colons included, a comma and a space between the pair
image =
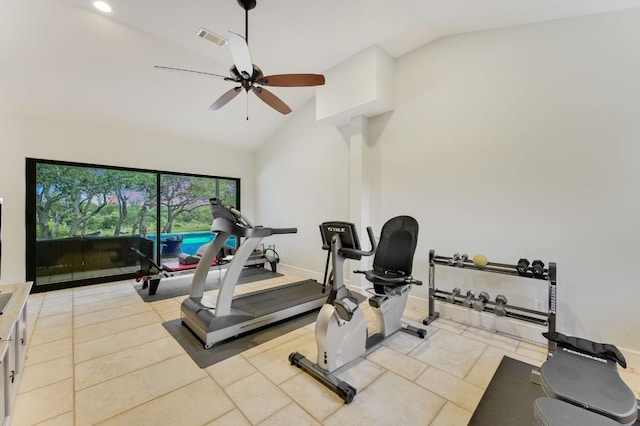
x: 345, y: 231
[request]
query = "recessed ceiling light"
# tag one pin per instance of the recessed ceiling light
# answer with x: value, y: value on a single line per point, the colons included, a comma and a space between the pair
x: 102, y: 6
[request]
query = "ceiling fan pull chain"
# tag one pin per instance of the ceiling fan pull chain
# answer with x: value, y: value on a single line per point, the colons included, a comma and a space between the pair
x: 247, y: 106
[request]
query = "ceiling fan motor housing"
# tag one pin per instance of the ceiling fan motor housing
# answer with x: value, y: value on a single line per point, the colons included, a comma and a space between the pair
x: 247, y: 4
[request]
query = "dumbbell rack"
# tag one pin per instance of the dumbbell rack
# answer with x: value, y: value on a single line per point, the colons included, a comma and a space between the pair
x: 524, y: 314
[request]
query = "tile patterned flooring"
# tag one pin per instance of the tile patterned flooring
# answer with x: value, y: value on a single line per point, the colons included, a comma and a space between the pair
x: 100, y: 355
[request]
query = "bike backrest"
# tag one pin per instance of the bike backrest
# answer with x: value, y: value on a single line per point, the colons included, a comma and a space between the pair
x: 398, y: 241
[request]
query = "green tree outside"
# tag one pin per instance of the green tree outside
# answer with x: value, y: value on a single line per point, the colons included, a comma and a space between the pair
x: 76, y: 201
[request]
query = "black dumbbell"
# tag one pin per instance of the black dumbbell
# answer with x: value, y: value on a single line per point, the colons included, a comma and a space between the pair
x: 501, y: 305
x: 463, y: 258
x: 451, y: 298
x: 454, y: 260
x: 468, y: 302
x: 481, y: 301
x: 537, y: 267
x: 523, y: 266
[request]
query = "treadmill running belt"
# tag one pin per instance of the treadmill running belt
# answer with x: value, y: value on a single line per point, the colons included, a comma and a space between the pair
x: 278, y: 298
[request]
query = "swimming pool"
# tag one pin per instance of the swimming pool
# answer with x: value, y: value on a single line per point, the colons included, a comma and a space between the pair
x: 192, y: 241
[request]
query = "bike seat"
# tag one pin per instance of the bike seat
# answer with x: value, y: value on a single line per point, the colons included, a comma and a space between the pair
x: 386, y: 278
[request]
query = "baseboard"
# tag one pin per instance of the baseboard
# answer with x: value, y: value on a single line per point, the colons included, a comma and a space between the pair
x: 301, y: 272
x: 510, y: 326
x: 633, y: 359
x: 513, y: 327
x: 283, y: 268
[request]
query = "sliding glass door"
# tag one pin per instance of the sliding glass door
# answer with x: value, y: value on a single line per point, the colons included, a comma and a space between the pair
x: 88, y: 224
x: 185, y: 220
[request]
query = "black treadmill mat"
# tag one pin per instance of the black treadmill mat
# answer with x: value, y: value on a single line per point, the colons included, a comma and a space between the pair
x: 508, y: 400
x: 168, y: 289
x: 228, y: 348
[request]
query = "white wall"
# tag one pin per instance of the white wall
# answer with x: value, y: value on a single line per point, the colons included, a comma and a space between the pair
x: 520, y: 142
x: 302, y: 180
x: 23, y: 136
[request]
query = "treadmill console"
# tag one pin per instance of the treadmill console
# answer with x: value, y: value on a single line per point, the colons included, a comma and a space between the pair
x: 219, y: 210
x: 346, y: 232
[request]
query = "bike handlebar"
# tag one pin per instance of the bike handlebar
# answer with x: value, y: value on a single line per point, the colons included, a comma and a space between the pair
x: 372, y: 240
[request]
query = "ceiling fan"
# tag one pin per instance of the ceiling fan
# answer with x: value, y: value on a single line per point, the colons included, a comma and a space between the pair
x: 249, y: 77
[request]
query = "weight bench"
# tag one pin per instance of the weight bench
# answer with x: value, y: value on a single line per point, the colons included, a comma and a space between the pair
x: 583, y: 386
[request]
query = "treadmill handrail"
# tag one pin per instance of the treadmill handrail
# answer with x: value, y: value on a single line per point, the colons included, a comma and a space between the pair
x: 230, y: 279
x: 222, y: 224
x: 284, y: 230
x: 204, y: 265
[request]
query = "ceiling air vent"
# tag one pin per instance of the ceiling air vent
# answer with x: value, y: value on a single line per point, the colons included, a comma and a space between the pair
x: 212, y: 37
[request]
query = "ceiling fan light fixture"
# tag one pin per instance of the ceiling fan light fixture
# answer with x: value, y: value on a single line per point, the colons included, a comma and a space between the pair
x: 212, y: 37
x: 102, y: 6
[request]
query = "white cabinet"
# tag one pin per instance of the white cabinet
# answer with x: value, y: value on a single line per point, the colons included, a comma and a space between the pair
x: 13, y: 346
x: 4, y: 402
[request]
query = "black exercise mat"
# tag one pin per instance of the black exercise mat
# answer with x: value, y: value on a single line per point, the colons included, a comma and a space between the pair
x: 168, y: 288
x: 509, y: 397
x: 228, y: 348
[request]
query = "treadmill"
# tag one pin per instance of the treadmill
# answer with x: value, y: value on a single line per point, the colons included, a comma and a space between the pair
x: 212, y: 319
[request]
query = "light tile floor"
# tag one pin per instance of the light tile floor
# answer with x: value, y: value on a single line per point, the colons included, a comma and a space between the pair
x: 100, y: 355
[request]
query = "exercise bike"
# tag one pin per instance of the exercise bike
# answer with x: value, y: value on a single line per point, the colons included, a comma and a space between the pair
x: 341, y: 329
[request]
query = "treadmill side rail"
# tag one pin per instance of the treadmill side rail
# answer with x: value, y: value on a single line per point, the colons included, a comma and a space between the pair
x: 211, y: 329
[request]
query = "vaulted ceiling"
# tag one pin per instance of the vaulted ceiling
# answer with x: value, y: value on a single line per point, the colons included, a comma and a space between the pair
x: 63, y: 58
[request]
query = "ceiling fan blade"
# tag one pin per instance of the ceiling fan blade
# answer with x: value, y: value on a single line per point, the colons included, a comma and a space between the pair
x: 207, y: 74
x: 292, y: 80
x: 272, y: 100
x: 225, y: 98
x: 240, y: 53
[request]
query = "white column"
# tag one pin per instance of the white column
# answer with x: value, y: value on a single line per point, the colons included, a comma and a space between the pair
x: 359, y: 192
